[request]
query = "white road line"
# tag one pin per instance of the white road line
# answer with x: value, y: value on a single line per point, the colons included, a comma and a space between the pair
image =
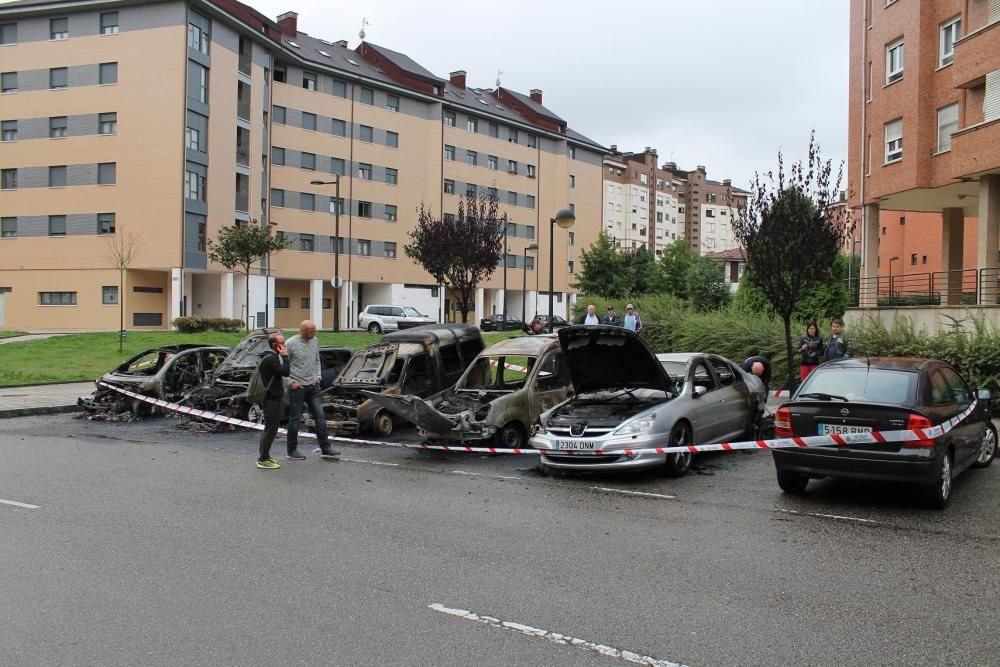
x: 603, y: 649
x: 626, y: 492
x: 836, y: 517
x: 17, y: 504
x: 374, y: 463
x: 479, y: 474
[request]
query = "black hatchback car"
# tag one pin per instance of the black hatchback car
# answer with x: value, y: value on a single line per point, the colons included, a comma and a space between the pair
x: 885, y: 394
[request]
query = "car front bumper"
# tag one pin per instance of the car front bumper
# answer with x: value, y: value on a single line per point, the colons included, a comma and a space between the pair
x: 910, y: 465
x: 614, y: 458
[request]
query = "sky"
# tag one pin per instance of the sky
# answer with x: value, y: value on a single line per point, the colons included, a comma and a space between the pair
x: 720, y: 83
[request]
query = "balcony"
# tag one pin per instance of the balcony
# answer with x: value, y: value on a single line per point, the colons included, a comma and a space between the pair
x: 976, y: 54
x: 976, y: 149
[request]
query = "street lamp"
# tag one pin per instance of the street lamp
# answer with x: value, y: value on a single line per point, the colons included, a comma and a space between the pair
x: 336, y: 249
x: 267, y: 285
x: 524, y: 283
x: 565, y: 219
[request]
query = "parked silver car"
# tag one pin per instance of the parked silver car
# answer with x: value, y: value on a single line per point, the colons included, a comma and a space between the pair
x: 628, y: 398
x: 380, y: 319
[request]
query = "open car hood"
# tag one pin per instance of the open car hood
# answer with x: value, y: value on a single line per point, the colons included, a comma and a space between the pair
x: 246, y: 354
x: 369, y: 366
x: 610, y: 358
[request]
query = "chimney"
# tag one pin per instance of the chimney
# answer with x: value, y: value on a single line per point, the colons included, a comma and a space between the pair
x: 728, y: 182
x: 341, y: 43
x: 701, y: 168
x: 289, y: 24
x: 536, y: 96
x: 614, y: 148
x: 457, y: 78
x: 672, y: 166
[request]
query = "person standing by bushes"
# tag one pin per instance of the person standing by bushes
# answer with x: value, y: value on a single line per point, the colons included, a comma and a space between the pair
x: 810, y: 349
x: 839, y: 345
x: 632, y: 319
x: 611, y: 319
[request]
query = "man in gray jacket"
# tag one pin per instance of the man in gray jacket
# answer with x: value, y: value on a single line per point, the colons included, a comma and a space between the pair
x: 304, y: 389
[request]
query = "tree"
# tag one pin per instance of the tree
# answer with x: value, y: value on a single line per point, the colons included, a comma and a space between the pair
x: 640, y: 271
x: 790, y: 233
x: 460, y: 251
x: 822, y: 302
x: 674, y: 265
x: 243, y: 245
x: 121, y: 252
x: 602, y: 270
x: 706, y: 284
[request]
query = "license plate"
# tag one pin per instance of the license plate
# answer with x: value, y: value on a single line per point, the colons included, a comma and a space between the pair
x: 589, y: 445
x: 842, y: 429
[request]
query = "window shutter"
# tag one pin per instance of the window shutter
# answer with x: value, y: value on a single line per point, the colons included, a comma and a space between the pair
x: 991, y: 102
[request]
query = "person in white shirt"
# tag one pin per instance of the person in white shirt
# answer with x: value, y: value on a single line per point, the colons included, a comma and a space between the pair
x: 591, y: 316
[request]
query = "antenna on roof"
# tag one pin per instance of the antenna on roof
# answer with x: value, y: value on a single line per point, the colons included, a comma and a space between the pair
x: 364, y: 22
x: 499, y: 74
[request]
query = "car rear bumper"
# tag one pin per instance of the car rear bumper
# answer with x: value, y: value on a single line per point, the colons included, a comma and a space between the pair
x: 914, y: 466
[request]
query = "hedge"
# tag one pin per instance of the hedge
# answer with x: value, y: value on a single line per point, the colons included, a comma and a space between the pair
x: 197, y: 324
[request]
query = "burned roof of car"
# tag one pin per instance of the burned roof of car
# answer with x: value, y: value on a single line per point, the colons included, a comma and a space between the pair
x: 433, y: 333
x: 522, y: 345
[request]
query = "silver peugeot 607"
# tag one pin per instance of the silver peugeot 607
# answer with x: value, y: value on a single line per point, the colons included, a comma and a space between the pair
x: 625, y: 397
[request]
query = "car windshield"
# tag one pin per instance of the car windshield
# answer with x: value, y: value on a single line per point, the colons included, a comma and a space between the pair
x: 876, y: 385
x: 497, y: 373
x: 369, y: 365
x: 413, y: 312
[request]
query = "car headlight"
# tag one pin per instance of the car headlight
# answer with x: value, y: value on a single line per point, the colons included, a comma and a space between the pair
x: 636, y: 426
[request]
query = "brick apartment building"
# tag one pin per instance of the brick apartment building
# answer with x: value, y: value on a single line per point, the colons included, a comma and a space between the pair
x: 924, y: 165
x: 651, y: 206
x: 169, y: 119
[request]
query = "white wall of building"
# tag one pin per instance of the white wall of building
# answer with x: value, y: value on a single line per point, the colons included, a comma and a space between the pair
x: 716, y: 228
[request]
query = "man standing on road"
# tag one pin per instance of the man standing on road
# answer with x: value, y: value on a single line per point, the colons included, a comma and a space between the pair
x: 273, y: 367
x: 304, y: 389
x: 839, y: 346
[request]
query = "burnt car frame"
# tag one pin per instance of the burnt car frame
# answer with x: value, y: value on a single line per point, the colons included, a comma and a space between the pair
x: 418, y: 361
x: 496, y: 400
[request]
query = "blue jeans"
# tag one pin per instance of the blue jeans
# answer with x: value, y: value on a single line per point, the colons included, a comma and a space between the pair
x: 305, y: 395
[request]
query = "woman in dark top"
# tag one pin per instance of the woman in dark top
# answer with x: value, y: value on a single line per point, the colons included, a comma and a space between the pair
x: 810, y: 349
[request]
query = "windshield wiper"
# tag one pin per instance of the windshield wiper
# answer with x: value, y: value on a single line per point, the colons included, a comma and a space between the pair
x: 824, y: 397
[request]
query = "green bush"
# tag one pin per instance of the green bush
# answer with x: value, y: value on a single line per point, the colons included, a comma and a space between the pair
x: 197, y: 324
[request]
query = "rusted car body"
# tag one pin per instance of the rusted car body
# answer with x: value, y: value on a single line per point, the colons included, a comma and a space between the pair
x: 420, y: 362
x: 498, y: 397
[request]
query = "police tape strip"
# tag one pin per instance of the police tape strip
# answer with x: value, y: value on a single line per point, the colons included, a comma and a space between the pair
x: 781, y: 393
x: 870, y: 438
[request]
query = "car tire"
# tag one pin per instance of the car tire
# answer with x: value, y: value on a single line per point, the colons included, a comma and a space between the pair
x: 792, y: 483
x: 511, y: 436
x: 679, y: 464
x: 987, y: 448
x: 937, y: 494
x: 255, y: 414
x: 374, y: 328
x: 382, y: 423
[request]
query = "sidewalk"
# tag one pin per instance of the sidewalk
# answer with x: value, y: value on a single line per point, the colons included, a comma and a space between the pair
x: 42, y: 399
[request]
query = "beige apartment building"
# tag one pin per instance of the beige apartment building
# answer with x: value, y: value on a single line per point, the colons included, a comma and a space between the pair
x: 166, y: 120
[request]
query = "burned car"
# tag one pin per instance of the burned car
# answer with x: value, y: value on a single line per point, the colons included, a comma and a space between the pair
x: 628, y: 398
x: 167, y: 373
x: 420, y: 361
x: 497, y: 399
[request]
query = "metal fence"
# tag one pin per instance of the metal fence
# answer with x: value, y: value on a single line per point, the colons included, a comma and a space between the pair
x: 960, y: 287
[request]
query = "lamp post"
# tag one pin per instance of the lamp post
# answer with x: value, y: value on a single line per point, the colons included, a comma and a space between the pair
x: 565, y: 219
x: 524, y: 283
x: 267, y: 284
x: 503, y: 316
x: 336, y: 249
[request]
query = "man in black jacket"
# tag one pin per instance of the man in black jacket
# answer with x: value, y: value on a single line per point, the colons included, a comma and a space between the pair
x: 273, y: 367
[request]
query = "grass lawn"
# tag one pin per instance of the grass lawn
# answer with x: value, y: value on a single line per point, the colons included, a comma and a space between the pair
x: 8, y: 334
x: 85, y: 356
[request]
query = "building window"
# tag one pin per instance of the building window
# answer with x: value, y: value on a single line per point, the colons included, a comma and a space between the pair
x: 197, y: 83
x: 949, y: 35
x: 308, y: 121
x: 471, y: 190
x: 389, y: 248
x: 391, y: 176
x: 107, y: 173
x: 307, y: 201
x: 570, y: 266
x: 572, y: 181
x: 367, y: 96
x: 105, y: 223
x: 364, y: 209
x: 512, y: 135
x: 109, y: 74
x: 107, y: 123
x: 512, y: 198
x: 57, y: 176
x: 326, y: 303
x: 531, y: 142
x: 337, y: 206
x: 391, y: 212
x: 913, y: 259
x: 194, y: 185
x: 109, y: 23
x: 392, y: 103
x: 449, y: 118
x: 338, y: 166
x: 529, y: 263
x: 472, y: 125
x: 491, y: 193
x: 471, y: 157
x: 278, y: 114
x: 307, y: 161
x: 109, y: 295
x: 8, y: 128
x: 572, y: 152
x: 530, y: 201
x: 530, y: 170
x: 364, y: 171
x: 339, y: 88
x: 309, y: 80
x: 709, y: 213
x: 8, y: 33
x: 59, y: 28
x: 198, y: 36
x: 278, y: 156
x: 304, y: 302
x: 57, y: 127
x: 894, y: 141
x: 58, y: 78
x: 281, y: 302
x: 367, y: 134
x: 57, y: 225
x: 529, y: 232
x: 8, y: 227
x: 947, y: 124
x: 57, y: 298
x: 277, y: 197
x: 494, y: 130
x: 392, y: 139
x: 339, y: 128
x: 449, y: 187
x: 512, y: 167
x: 307, y: 242
x: 8, y: 82
x: 364, y: 247
x: 492, y: 162
x: 449, y: 153
x: 8, y: 179
x: 571, y: 237
x: 894, y: 62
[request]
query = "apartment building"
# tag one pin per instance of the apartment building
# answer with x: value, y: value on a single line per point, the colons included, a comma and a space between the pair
x: 650, y: 206
x: 166, y: 120
x: 924, y: 165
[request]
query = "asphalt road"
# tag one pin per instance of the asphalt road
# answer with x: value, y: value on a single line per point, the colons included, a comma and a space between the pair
x: 154, y: 545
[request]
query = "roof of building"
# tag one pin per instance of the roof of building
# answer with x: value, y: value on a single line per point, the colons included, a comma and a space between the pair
x: 526, y: 100
x: 731, y: 254
x: 406, y: 63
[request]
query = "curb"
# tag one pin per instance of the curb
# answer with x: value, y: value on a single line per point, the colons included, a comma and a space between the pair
x: 39, y: 410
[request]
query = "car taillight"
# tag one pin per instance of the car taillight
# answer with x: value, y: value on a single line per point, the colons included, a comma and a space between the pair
x: 918, y: 422
x: 783, y: 423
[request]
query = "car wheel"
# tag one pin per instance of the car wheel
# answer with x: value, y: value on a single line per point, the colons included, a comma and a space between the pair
x: 987, y: 448
x: 255, y: 414
x: 511, y: 436
x: 678, y: 464
x: 374, y: 328
x: 382, y: 423
x: 937, y: 494
x: 792, y: 483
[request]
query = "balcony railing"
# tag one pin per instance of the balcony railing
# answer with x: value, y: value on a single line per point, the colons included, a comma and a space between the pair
x: 961, y: 287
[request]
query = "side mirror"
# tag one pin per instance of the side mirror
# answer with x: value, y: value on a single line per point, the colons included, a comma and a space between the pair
x: 984, y: 395
x: 699, y: 392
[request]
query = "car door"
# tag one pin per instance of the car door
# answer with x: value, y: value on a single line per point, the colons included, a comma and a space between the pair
x: 731, y: 397
x: 550, y: 386
x: 970, y: 431
x: 703, y: 414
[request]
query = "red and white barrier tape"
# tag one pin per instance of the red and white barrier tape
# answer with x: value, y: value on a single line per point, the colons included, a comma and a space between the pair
x: 870, y: 438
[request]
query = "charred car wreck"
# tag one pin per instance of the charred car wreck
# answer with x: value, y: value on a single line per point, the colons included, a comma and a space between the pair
x: 496, y: 400
x: 419, y: 362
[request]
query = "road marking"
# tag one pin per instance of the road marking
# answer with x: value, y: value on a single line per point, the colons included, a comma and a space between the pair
x: 17, y: 504
x: 559, y: 638
x: 836, y: 517
x: 374, y: 463
x: 479, y: 474
x: 626, y: 492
